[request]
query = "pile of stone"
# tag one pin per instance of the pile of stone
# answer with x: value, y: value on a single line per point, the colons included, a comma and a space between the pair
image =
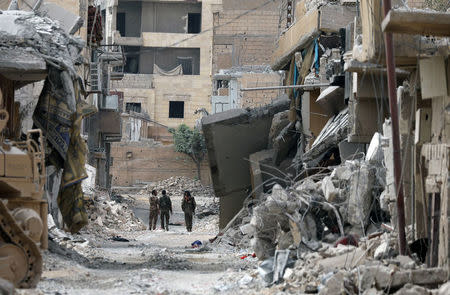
x: 358, y: 270
x: 176, y: 185
x: 325, y: 206
x: 107, y: 216
x: 207, y: 209
x: 330, y: 233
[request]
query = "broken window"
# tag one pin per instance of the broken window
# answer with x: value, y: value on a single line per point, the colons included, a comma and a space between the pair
x: 221, y: 87
x: 120, y: 20
x: 194, y: 23
x: 186, y: 64
x: 176, y: 109
x: 133, y: 106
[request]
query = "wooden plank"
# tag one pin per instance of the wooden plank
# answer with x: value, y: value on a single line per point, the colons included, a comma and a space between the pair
x: 417, y: 22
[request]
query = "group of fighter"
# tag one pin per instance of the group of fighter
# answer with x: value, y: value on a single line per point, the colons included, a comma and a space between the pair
x: 163, y: 206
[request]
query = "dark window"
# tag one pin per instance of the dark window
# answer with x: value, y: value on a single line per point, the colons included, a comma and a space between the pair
x: 120, y: 21
x: 176, y: 109
x: 186, y: 63
x: 131, y: 59
x: 194, y: 23
x: 133, y: 106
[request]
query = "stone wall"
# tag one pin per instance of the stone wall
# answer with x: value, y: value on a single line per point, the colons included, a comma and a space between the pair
x: 149, y: 161
x: 259, y: 98
x: 248, y: 39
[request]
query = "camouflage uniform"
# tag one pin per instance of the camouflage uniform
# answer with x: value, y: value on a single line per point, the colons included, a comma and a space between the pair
x: 165, y: 205
x: 154, y: 212
x: 188, y: 205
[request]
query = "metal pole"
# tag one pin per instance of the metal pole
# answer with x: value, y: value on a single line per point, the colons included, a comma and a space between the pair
x: 285, y: 87
x: 390, y: 64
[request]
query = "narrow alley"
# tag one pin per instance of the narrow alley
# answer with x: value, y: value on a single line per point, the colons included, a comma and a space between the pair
x: 290, y: 146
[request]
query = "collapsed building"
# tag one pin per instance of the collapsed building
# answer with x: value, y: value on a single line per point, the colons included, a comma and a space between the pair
x: 33, y: 48
x: 322, y: 170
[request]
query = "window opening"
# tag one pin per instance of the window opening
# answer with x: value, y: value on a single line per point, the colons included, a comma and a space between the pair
x: 194, y: 23
x: 120, y: 21
x: 133, y: 106
x: 176, y: 109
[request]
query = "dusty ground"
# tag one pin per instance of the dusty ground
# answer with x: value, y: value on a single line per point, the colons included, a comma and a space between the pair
x: 152, y: 262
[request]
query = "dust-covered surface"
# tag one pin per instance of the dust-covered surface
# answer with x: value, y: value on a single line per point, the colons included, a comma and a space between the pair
x: 117, y: 254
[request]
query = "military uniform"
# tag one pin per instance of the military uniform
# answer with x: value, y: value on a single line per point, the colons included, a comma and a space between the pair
x: 154, y: 212
x: 188, y: 206
x: 165, y: 205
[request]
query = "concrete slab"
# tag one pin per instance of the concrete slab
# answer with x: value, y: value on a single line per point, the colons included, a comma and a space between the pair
x: 332, y: 100
x: 231, y: 137
x: 351, y: 150
x: 68, y: 21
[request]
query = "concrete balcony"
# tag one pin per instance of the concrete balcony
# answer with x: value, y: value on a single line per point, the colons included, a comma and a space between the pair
x: 140, y: 81
x: 153, y: 39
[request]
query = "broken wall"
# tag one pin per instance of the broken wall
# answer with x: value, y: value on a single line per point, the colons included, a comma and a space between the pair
x: 260, y: 98
x: 248, y: 39
x: 150, y: 161
x: 231, y: 137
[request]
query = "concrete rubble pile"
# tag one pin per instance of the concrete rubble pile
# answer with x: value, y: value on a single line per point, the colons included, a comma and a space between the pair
x: 176, y: 185
x: 107, y: 216
x: 328, y: 234
x: 41, y: 37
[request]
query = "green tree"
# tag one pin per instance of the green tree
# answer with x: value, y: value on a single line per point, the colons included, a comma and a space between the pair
x: 190, y: 142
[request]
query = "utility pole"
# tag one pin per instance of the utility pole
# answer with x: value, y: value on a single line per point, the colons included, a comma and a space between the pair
x: 392, y: 86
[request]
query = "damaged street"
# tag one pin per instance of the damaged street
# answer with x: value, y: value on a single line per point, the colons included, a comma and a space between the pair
x: 224, y: 147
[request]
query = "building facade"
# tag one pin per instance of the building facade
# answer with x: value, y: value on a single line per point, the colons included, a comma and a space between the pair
x: 168, y: 47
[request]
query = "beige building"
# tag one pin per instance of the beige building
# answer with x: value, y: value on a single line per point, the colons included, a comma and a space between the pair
x: 168, y: 47
x: 245, y: 33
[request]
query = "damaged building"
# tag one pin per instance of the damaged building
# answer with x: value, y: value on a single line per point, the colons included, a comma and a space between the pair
x: 165, y: 82
x: 334, y: 166
x: 244, y: 36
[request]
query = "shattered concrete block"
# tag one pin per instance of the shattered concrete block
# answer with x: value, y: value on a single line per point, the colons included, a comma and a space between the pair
x: 328, y: 189
x: 6, y: 287
x: 375, y: 150
x: 68, y: 21
x: 307, y: 185
x: 284, y: 240
x: 360, y: 199
x: 351, y: 150
x: 334, y: 285
x: 279, y: 122
x: 390, y: 277
x: 332, y: 100
x: 444, y: 289
x: 247, y: 229
x: 230, y: 168
x: 284, y: 143
x: 410, y: 289
x: 342, y: 172
x: 262, y: 248
x: 382, y: 251
x: 373, y: 291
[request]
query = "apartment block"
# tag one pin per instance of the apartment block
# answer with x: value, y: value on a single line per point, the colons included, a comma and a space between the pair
x: 168, y: 47
x: 245, y: 34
